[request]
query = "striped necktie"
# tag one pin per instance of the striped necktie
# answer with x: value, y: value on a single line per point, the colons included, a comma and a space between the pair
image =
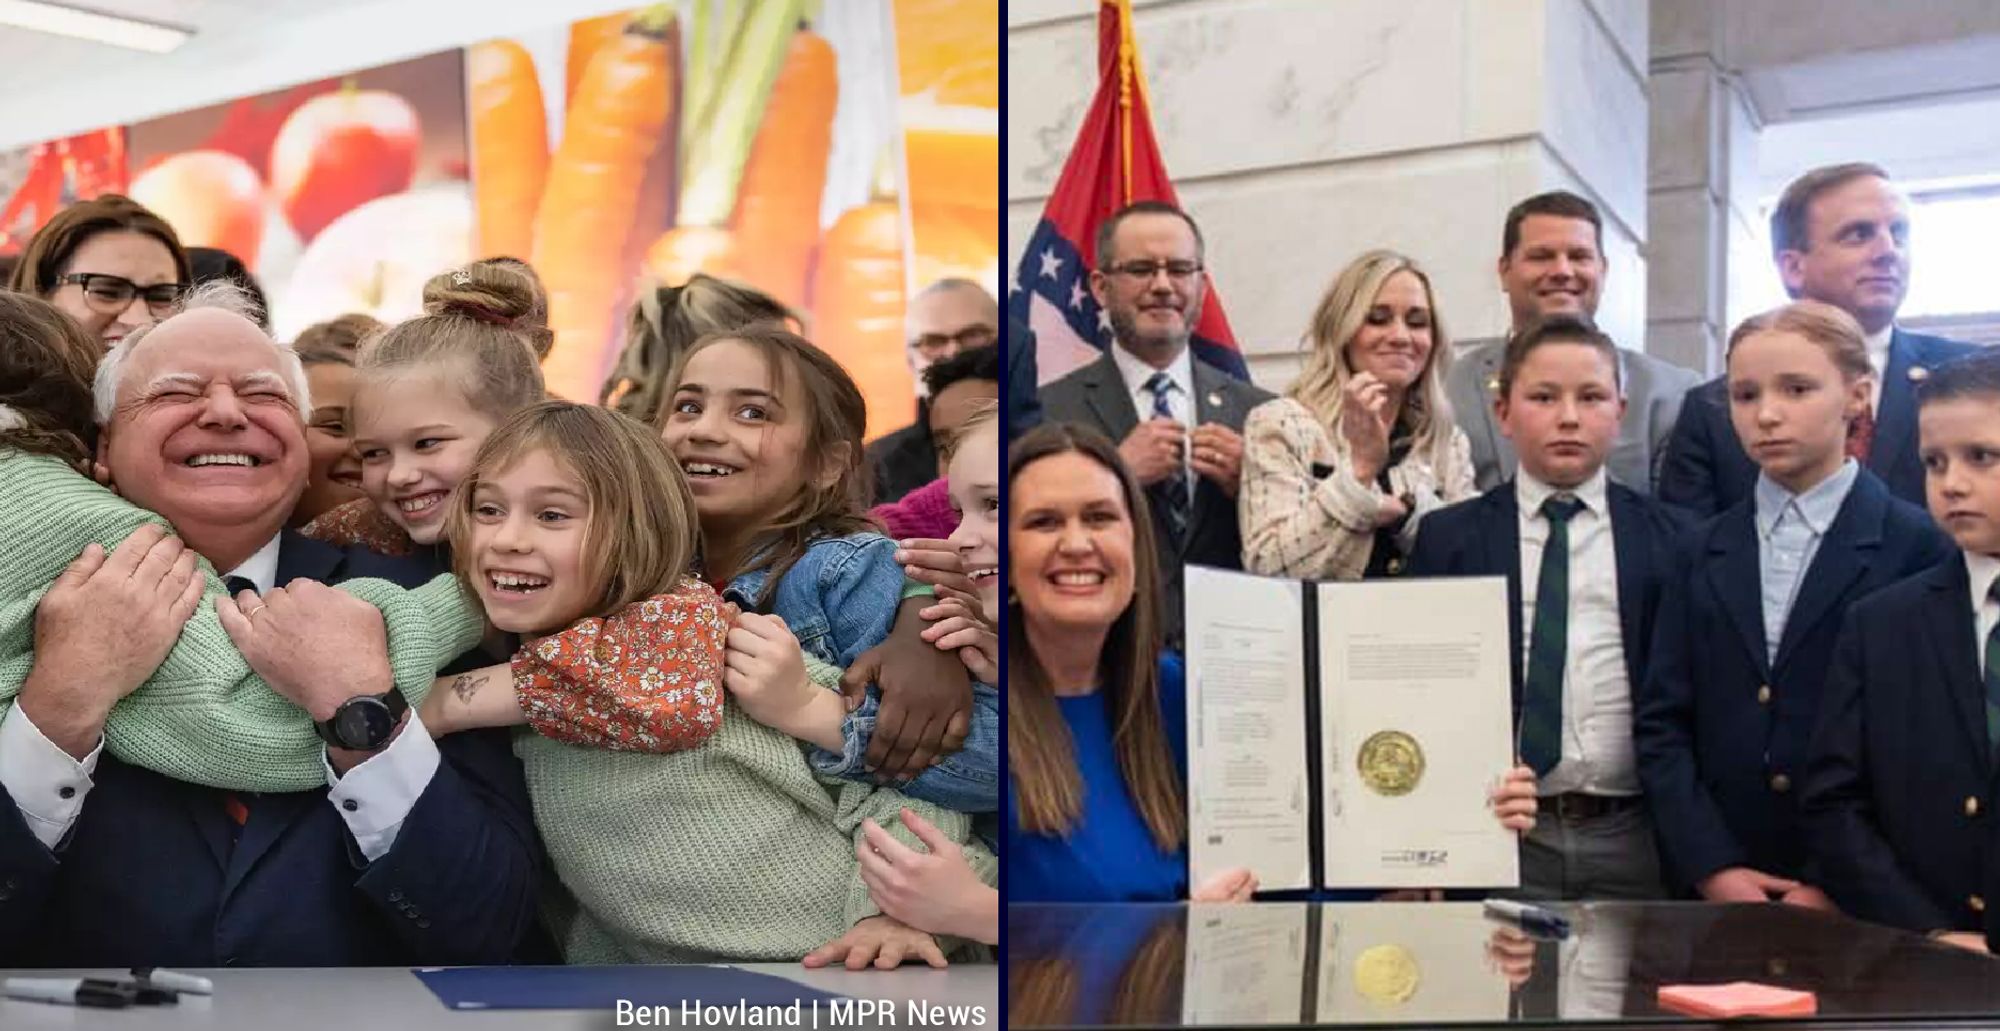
x: 1171, y: 494
x: 1548, y: 644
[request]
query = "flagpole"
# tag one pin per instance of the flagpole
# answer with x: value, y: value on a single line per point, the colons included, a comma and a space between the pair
x: 1128, y: 47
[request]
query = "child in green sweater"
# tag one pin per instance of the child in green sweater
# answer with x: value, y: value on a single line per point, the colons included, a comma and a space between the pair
x: 203, y: 717
x: 576, y: 531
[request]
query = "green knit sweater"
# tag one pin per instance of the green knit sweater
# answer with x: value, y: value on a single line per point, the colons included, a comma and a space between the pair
x: 204, y: 717
x: 734, y: 850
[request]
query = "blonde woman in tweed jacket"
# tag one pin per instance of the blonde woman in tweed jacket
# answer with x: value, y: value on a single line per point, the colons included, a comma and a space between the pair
x: 1339, y: 471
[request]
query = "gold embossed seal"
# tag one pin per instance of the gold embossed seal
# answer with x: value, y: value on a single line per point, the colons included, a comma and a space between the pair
x: 1386, y: 974
x: 1391, y: 762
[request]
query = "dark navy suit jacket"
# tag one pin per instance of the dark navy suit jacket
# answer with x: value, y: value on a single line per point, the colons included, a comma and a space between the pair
x: 150, y: 874
x: 1899, y: 786
x: 1717, y: 723
x: 1482, y: 537
x: 1706, y: 469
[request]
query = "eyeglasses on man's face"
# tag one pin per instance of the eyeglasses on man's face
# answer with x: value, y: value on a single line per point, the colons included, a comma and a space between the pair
x: 939, y: 346
x: 1145, y: 271
x: 109, y: 294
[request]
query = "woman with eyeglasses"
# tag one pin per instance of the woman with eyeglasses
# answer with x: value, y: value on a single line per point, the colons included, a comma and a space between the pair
x: 110, y: 264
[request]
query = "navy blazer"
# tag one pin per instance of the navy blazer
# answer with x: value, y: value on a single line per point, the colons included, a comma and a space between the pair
x: 1482, y: 537
x: 150, y: 875
x: 1898, y: 795
x: 1716, y: 722
x: 1706, y: 469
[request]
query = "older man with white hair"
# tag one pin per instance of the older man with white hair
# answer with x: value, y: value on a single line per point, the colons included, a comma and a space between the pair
x: 414, y: 852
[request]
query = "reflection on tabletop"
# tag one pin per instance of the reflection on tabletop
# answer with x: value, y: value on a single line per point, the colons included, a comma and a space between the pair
x: 1447, y: 964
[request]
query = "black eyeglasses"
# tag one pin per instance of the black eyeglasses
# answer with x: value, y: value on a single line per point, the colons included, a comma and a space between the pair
x: 931, y: 345
x: 109, y: 295
x: 1144, y: 271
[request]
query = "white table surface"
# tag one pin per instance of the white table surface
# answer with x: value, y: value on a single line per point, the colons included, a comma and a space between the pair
x: 392, y: 999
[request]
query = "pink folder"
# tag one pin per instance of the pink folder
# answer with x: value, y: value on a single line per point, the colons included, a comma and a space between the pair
x: 1740, y: 999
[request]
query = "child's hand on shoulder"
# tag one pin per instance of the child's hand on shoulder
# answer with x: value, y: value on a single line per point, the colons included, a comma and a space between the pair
x: 956, y: 627
x: 765, y: 671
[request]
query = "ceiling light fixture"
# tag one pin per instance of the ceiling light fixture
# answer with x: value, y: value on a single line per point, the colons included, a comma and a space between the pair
x: 96, y: 26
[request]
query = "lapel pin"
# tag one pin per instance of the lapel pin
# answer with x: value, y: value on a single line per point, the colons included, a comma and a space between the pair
x: 1214, y: 399
x: 1918, y: 374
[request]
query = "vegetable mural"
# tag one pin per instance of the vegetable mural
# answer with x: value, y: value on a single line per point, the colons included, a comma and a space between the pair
x: 768, y: 143
x: 838, y: 154
x: 341, y: 195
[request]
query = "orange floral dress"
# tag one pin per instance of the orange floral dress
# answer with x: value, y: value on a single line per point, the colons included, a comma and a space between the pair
x: 648, y: 679
x: 359, y: 522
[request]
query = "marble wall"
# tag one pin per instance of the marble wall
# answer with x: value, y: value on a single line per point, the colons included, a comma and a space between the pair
x: 1302, y: 132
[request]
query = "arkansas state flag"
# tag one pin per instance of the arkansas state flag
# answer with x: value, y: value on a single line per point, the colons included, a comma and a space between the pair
x: 1115, y: 162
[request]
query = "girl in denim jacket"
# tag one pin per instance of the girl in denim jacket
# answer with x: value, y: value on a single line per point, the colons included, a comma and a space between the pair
x: 768, y: 429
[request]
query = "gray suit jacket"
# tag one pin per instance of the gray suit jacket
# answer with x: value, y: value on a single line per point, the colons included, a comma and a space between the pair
x: 1096, y: 396
x: 1653, y: 393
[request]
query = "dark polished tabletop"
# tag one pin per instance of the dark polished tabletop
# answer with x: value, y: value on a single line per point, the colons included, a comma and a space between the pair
x: 1390, y: 964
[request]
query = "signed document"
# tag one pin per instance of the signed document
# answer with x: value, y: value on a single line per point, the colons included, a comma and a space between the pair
x: 1344, y: 735
x: 1417, y: 725
x: 1248, y: 791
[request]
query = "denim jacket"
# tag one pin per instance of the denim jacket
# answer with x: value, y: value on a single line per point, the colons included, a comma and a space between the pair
x: 839, y: 600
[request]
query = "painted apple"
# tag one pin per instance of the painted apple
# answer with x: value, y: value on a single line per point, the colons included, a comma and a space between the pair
x: 340, y: 150
x: 376, y: 258
x: 211, y: 198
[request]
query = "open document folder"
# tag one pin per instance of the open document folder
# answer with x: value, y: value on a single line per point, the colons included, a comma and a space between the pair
x: 1345, y: 735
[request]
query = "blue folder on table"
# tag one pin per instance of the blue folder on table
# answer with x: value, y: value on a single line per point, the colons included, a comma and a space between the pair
x: 601, y: 988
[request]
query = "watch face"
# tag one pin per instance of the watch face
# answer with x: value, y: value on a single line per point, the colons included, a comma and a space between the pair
x: 363, y: 723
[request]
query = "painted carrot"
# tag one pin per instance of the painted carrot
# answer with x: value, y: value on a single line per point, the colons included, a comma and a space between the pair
x: 619, y: 117
x: 682, y: 251
x: 586, y: 38
x: 778, y: 199
x: 858, y: 290
x: 510, y: 146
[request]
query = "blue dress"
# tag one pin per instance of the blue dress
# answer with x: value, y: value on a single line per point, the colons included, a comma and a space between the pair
x: 1110, y: 855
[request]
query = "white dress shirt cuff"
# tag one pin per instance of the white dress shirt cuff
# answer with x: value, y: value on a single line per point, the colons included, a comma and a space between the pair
x: 377, y: 796
x: 47, y: 783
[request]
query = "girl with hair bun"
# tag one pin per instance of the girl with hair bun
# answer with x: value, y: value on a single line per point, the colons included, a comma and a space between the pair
x: 427, y: 393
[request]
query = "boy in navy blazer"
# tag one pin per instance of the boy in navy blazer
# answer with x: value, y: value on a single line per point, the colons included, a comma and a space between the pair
x: 1584, y: 559
x: 1898, y: 803
x: 1749, y: 619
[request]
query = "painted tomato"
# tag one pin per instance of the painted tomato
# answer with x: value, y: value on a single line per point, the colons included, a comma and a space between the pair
x: 211, y: 198
x: 340, y: 150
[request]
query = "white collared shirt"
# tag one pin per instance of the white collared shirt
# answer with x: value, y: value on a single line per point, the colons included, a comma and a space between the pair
x: 1982, y: 570
x: 49, y: 786
x: 1789, y: 530
x: 261, y: 568
x: 1597, y: 755
x: 1136, y: 372
x: 1878, y: 359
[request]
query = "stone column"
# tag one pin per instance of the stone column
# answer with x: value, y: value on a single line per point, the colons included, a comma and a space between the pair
x: 1701, y: 187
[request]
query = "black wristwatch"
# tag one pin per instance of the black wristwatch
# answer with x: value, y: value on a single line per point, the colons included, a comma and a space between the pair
x: 364, y: 723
